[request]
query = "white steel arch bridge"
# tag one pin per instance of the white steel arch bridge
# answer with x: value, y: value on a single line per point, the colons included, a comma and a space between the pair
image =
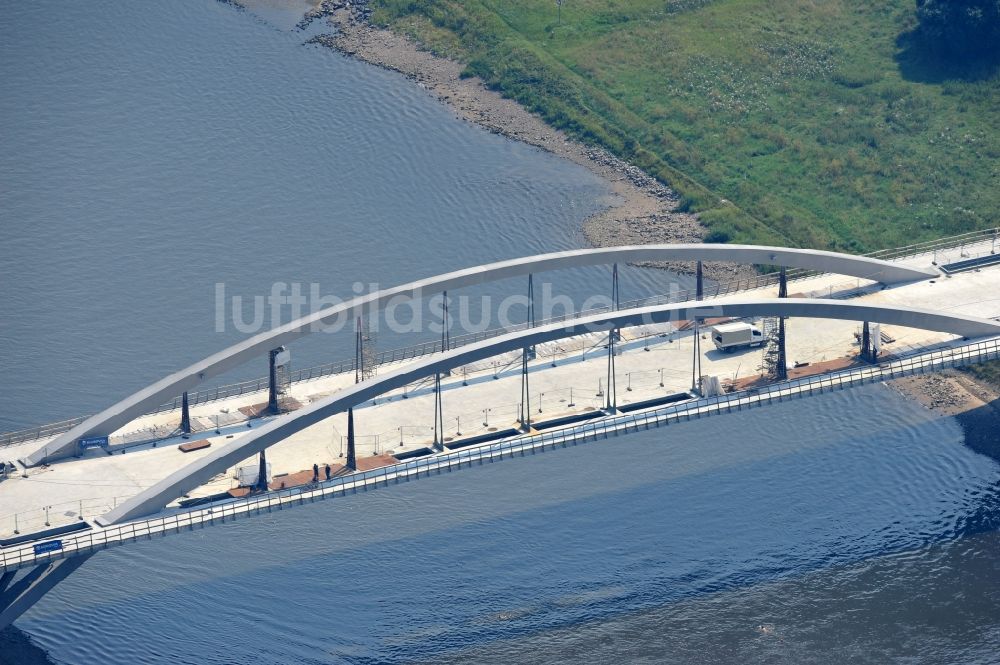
x: 16, y: 595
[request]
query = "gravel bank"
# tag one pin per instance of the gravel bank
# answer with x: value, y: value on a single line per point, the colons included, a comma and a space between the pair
x: 641, y: 210
x: 976, y: 405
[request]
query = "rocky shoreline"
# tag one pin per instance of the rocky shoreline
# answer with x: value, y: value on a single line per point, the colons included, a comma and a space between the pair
x: 948, y: 392
x: 973, y: 403
x: 641, y: 211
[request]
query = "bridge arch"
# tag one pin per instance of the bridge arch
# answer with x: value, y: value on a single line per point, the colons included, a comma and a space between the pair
x: 219, y: 460
x: 135, y: 405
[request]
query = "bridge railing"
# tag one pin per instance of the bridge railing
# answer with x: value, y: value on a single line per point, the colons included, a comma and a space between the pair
x: 177, y: 520
x: 39, y: 432
x: 951, y: 242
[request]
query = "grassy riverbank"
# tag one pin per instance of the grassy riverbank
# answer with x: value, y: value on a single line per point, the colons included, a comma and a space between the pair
x: 784, y: 121
x: 988, y: 373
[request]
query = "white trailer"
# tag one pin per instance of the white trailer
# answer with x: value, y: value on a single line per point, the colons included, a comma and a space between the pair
x: 731, y: 336
x: 247, y: 476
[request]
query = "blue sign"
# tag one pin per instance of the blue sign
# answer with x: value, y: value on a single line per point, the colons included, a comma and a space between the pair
x: 48, y: 546
x: 94, y: 442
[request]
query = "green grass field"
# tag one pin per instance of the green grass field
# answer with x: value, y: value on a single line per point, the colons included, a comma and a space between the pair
x: 788, y: 121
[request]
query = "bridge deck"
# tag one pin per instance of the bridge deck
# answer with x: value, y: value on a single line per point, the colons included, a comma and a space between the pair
x: 176, y: 520
x: 96, y: 482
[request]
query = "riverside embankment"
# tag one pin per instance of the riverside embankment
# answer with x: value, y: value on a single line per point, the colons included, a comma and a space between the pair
x: 642, y: 209
x: 974, y: 403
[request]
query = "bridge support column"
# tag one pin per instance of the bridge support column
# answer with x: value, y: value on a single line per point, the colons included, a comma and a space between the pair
x: 782, y: 369
x: 272, y: 380
x: 696, y: 359
x: 352, y: 454
x: 615, y: 298
x: 359, y: 375
x: 867, y: 352
x: 185, y: 414
x: 262, y: 471
x: 611, y: 400
x: 27, y: 591
x: 359, y: 352
x: 525, y: 394
x: 531, y: 311
x: 445, y: 327
x: 445, y: 323
x: 438, y: 414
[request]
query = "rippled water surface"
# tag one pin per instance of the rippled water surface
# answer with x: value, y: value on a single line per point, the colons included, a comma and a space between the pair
x: 151, y: 151
x: 154, y: 149
x: 711, y: 540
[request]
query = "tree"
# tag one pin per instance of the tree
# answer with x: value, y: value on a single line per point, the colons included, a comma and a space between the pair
x: 960, y: 28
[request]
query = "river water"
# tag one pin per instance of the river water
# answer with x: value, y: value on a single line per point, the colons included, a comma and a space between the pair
x: 873, y: 542
x: 153, y: 151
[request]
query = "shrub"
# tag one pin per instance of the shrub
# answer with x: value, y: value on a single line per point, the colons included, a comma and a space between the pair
x: 960, y: 28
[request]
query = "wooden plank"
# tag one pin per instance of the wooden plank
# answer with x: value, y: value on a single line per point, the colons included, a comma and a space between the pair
x: 375, y: 462
x: 200, y: 444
